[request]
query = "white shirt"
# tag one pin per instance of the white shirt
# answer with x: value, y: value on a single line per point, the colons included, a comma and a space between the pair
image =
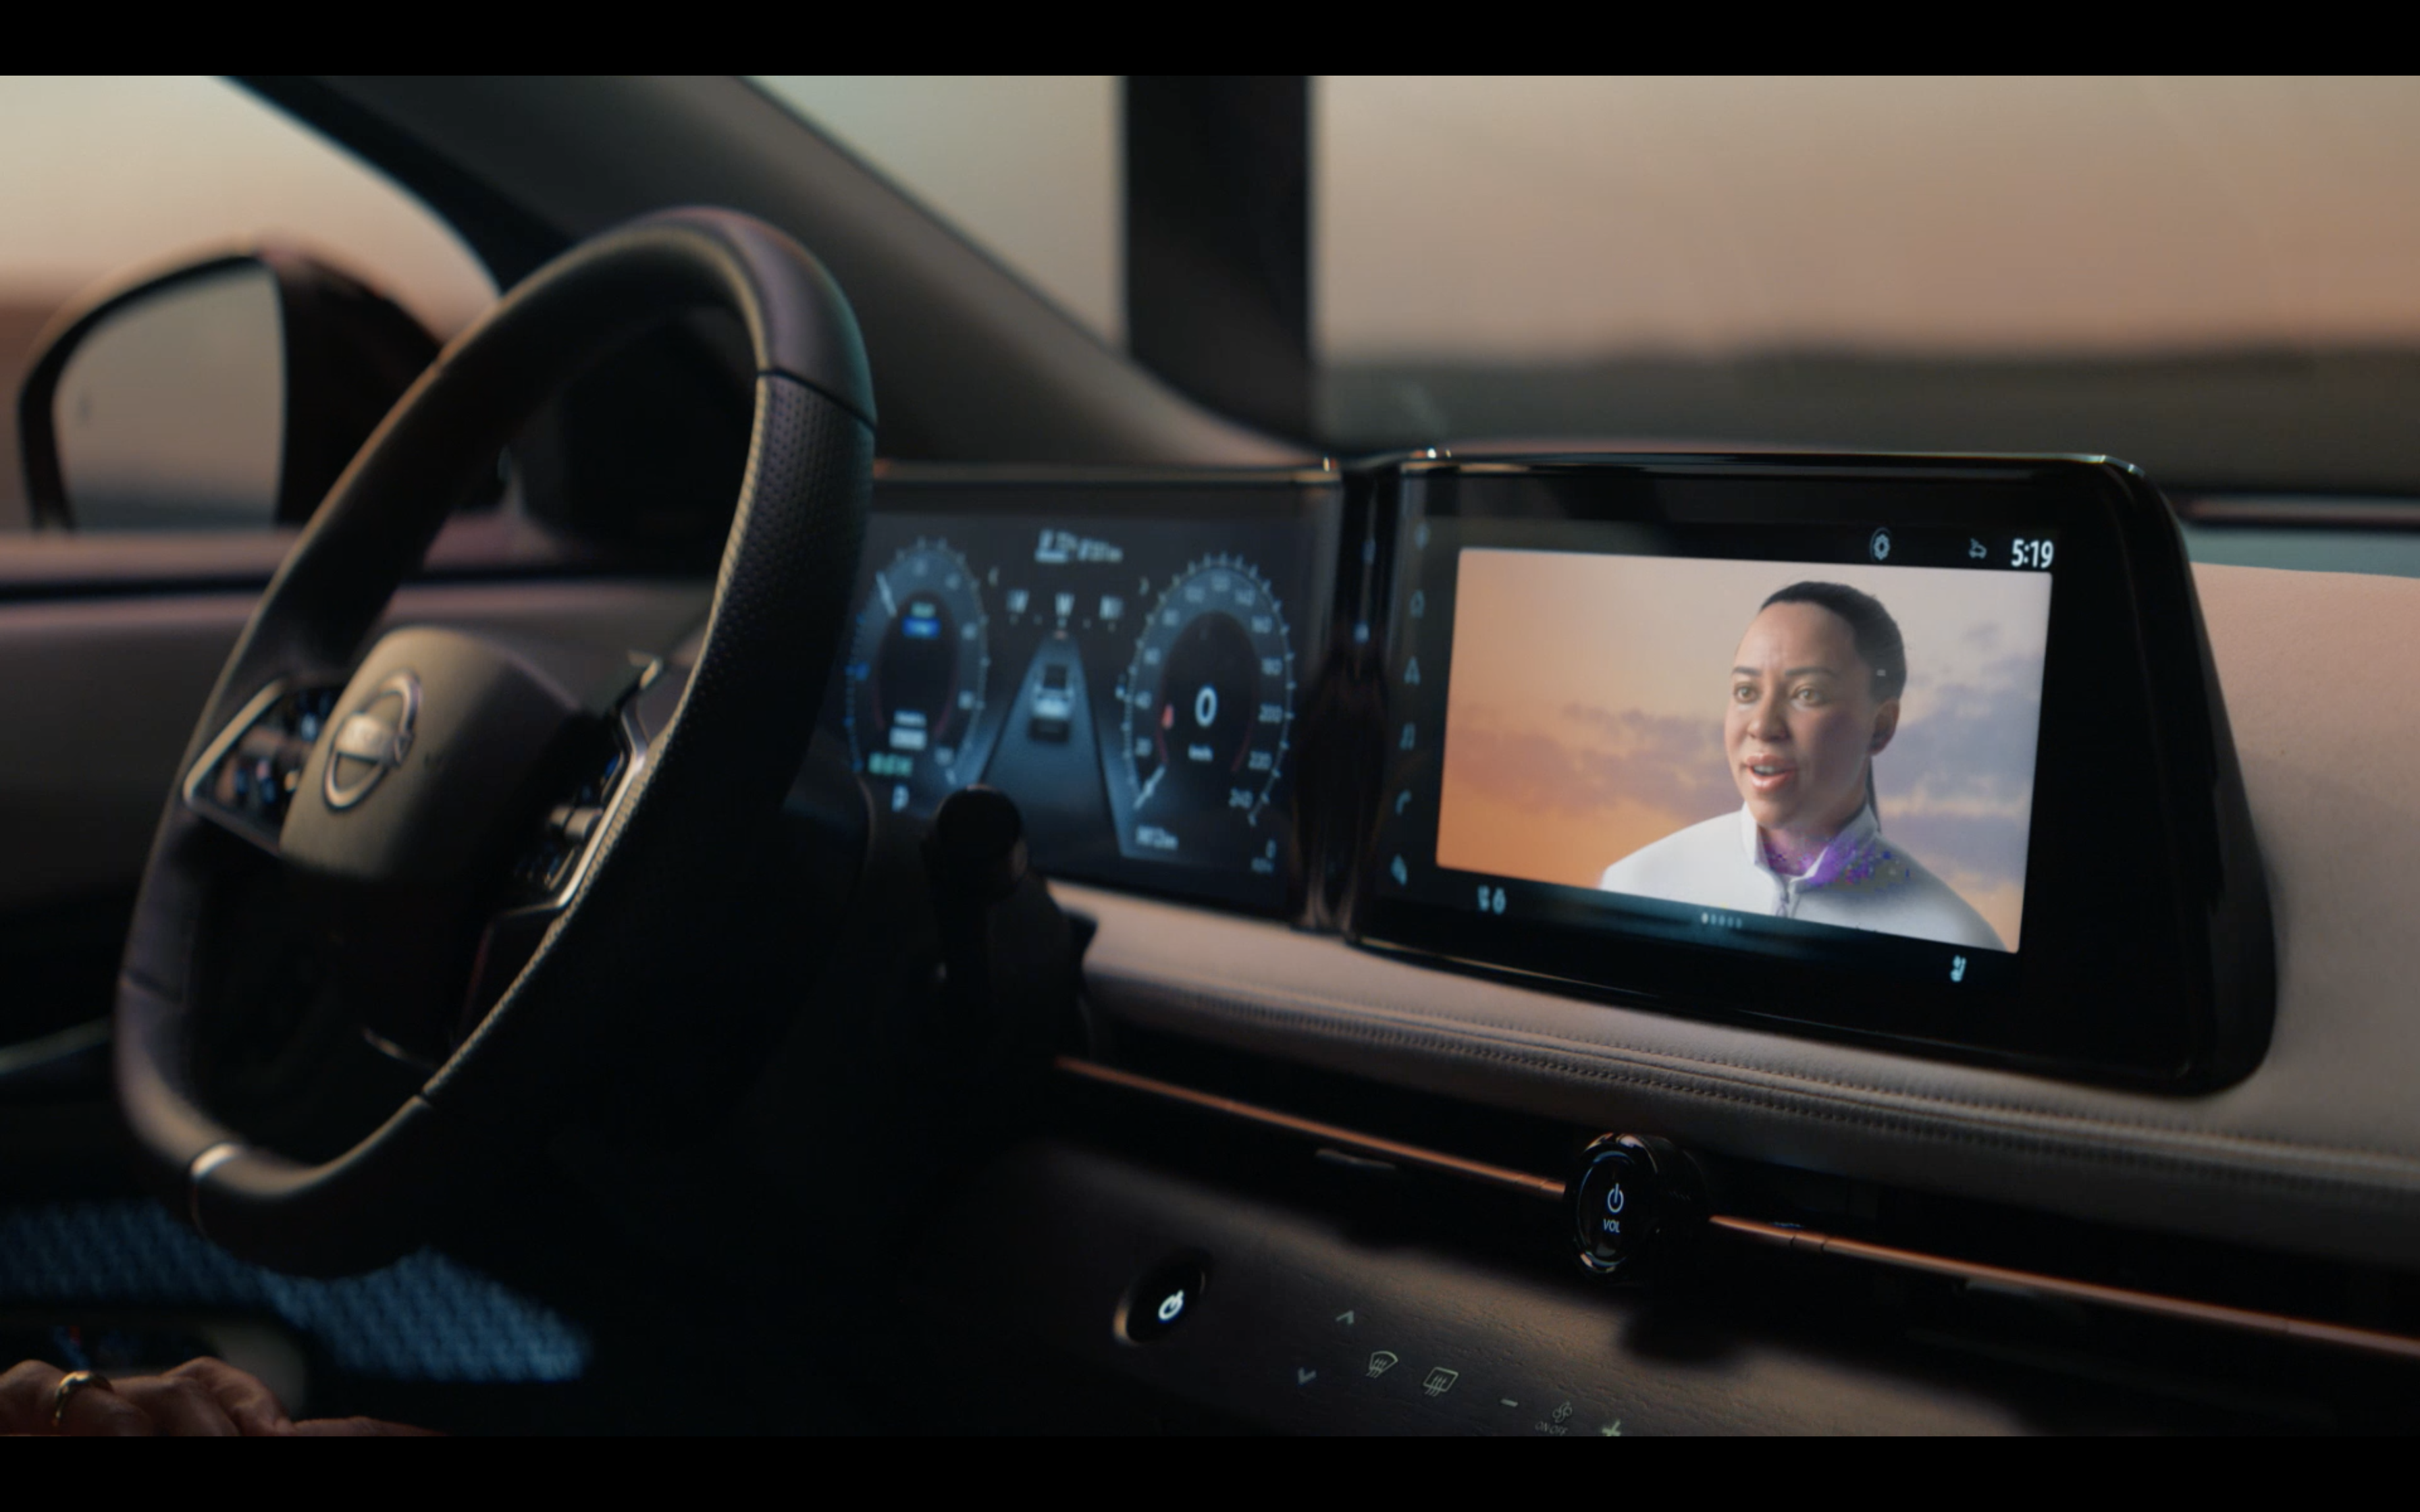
x: 1861, y: 881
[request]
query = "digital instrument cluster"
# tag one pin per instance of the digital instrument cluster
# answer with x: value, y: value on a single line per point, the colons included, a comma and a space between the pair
x: 1126, y: 658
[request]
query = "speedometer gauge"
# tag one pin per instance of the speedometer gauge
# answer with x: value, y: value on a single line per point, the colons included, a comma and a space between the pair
x: 917, y: 675
x: 1208, y: 704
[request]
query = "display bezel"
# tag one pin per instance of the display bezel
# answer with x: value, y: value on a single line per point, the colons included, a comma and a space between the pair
x: 1309, y: 503
x: 2147, y: 955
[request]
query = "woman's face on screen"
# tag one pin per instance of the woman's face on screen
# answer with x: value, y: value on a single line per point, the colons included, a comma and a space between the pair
x: 1803, y: 720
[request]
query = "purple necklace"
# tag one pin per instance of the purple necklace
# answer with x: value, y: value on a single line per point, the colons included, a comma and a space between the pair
x: 1851, y: 862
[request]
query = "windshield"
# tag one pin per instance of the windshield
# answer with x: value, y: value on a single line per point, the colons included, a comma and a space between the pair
x: 2209, y: 277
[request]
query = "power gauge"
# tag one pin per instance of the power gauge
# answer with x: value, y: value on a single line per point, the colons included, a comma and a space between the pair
x: 1208, y: 704
x: 918, y: 670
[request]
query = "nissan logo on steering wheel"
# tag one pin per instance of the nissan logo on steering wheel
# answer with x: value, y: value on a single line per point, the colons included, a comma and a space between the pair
x: 372, y: 741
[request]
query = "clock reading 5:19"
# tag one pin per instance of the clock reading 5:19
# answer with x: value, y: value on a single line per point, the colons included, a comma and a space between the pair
x: 2034, y: 554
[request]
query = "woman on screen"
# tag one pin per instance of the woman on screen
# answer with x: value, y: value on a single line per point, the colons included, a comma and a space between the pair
x: 1814, y: 697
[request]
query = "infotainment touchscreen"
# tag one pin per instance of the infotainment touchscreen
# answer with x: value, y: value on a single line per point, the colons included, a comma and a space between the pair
x: 1786, y: 750
x: 1919, y: 749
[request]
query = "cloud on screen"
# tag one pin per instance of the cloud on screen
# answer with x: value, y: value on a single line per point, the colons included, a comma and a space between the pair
x: 1595, y: 758
x: 1969, y: 741
x: 1956, y: 787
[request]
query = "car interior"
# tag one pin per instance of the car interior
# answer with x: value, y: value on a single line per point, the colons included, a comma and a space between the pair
x: 1214, y: 754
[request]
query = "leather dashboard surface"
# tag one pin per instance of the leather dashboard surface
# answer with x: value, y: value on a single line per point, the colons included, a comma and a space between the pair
x: 2317, y: 1150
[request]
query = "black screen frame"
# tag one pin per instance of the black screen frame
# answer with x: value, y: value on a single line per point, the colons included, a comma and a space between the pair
x: 2147, y: 957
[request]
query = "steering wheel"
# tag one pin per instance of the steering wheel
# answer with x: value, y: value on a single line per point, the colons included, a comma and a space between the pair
x: 510, y: 845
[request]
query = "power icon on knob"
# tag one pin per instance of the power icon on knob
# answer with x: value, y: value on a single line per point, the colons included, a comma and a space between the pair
x: 1635, y: 1201
x: 1163, y: 1297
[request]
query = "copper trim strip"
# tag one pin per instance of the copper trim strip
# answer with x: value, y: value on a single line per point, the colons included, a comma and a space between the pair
x: 2243, y: 1319
x: 1346, y: 1140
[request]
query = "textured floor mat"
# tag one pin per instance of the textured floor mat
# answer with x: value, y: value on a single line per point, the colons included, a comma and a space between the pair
x: 425, y: 1317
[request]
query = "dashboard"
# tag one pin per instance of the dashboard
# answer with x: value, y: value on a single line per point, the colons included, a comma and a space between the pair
x: 2130, y: 1051
x: 1986, y: 809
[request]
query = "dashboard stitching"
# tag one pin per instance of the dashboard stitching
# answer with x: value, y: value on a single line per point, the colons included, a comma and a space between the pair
x: 1790, y: 1079
x: 2013, y: 1141
x: 2396, y: 1164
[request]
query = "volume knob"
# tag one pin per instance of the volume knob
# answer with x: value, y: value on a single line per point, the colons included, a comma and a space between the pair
x: 1637, y: 1201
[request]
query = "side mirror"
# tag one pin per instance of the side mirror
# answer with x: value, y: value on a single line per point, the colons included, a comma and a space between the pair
x: 229, y: 392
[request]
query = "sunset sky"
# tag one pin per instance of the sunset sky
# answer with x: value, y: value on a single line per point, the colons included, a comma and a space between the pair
x: 1584, y: 717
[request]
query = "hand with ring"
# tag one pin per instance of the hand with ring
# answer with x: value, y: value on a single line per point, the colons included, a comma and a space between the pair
x: 200, y: 1398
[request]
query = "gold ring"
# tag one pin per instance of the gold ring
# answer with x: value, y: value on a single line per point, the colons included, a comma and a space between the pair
x: 64, y: 1392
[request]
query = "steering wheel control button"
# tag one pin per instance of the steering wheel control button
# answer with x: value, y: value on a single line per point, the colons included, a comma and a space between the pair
x: 1167, y: 1295
x: 571, y: 824
x: 248, y: 779
x: 1634, y: 1202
